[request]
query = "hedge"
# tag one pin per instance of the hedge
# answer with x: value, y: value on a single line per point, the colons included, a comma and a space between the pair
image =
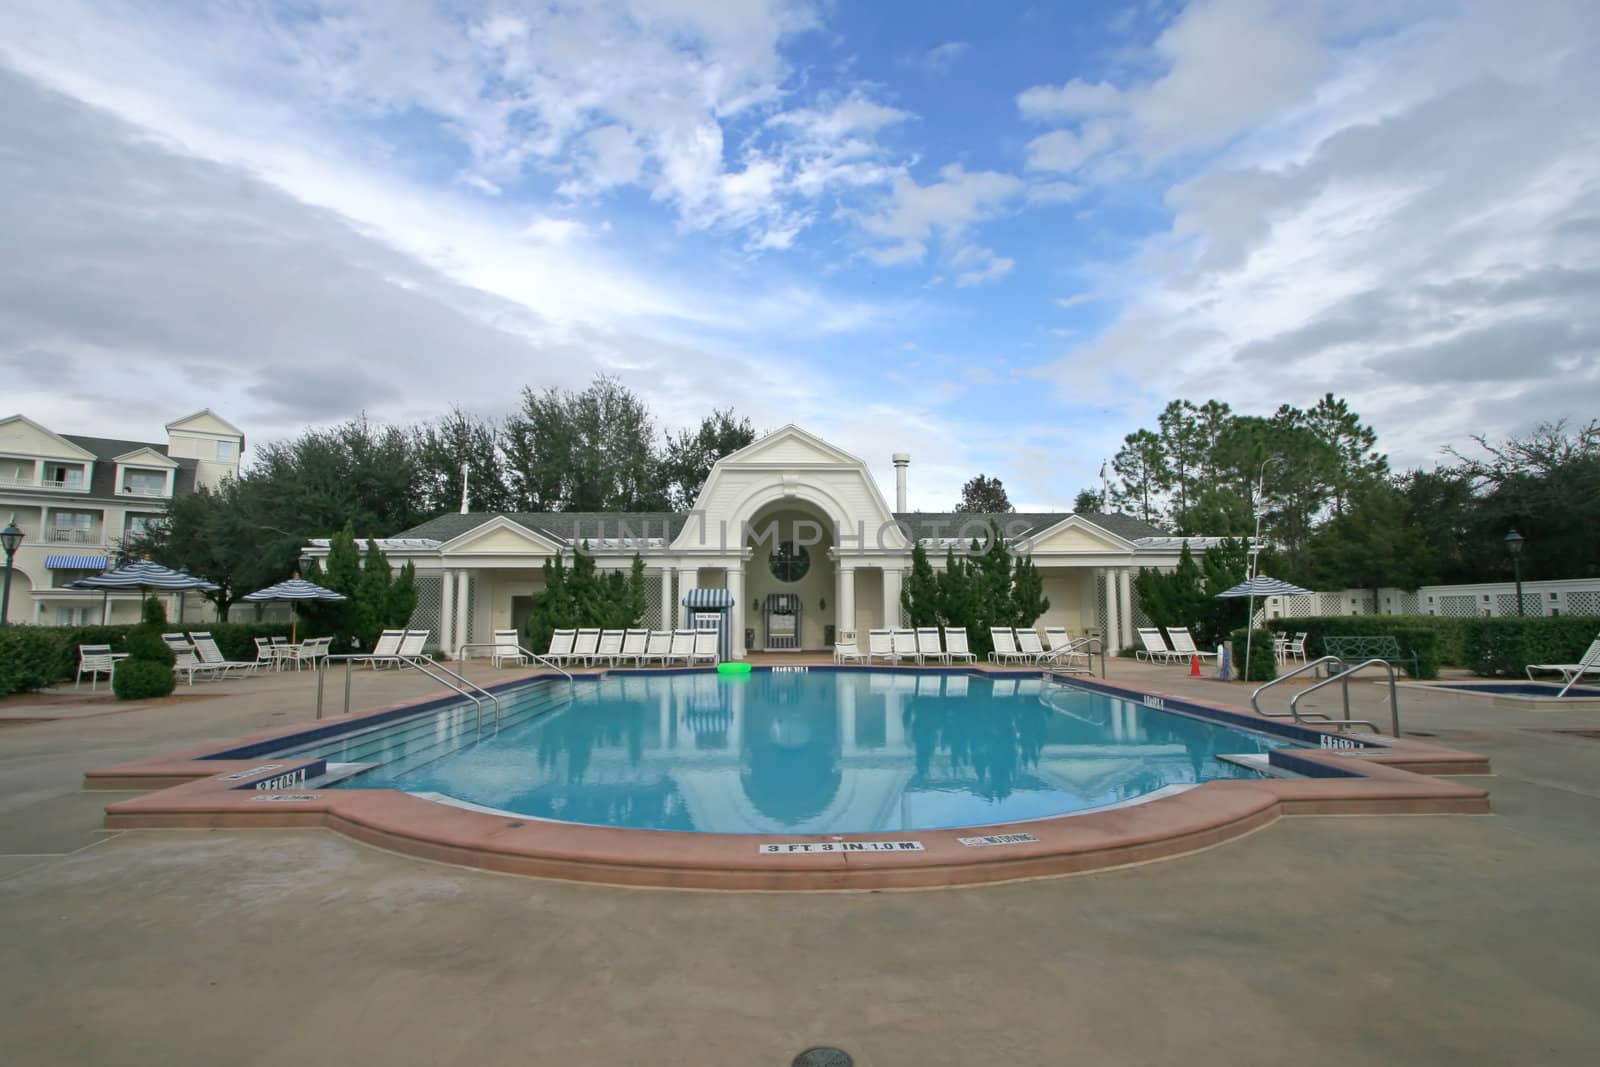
x: 1489, y: 647
x: 1505, y: 646
x: 33, y: 657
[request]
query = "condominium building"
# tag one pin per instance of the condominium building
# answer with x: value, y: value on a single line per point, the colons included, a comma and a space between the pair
x: 75, y: 498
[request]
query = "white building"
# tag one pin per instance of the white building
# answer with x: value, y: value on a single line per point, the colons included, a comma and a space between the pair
x: 797, y: 534
x: 75, y: 497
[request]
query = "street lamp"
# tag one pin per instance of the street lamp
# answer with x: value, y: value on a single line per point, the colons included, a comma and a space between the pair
x: 305, y: 564
x: 1514, y: 542
x: 10, y: 538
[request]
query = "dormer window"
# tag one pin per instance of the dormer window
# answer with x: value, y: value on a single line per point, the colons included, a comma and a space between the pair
x: 144, y: 483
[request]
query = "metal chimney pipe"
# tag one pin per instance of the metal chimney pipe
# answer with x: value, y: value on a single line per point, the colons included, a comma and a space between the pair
x: 902, y: 460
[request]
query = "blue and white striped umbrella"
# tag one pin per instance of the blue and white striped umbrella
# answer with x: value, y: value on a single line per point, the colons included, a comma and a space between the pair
x: 293, y: 589
x: 144, y: 576
x: 1262, y: 586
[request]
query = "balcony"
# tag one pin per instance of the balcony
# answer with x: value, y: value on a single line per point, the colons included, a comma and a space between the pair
x: 159, y: 491
x: 72, y: 537
x: 28, y: 481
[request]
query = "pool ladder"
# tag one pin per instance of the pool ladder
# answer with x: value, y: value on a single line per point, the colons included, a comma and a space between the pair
x: 1343, y: 678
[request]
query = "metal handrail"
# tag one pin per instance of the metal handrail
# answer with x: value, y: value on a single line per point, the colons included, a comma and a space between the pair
x: 1075, y: 648
x: 1344, y: 676
x: 528, y: 652
x: 426, y: 667
x: 1255, y: 697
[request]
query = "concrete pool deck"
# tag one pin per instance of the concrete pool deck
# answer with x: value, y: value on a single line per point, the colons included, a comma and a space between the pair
x: 1321, y: 940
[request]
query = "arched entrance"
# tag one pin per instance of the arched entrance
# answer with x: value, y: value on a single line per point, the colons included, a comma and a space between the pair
x: 790, y: 568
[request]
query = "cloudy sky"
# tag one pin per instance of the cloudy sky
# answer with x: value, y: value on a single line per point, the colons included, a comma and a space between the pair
x: 997, y: 236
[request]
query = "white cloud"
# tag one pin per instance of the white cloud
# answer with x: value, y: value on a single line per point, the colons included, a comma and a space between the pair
x: 978, y: 265
x: 941, y: 57
x: 915, y: 214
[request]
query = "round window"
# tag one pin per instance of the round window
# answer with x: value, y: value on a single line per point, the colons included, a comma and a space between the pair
x: 789, y: 562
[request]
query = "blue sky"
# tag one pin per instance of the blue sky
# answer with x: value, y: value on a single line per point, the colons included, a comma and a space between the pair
x: 998, y: 236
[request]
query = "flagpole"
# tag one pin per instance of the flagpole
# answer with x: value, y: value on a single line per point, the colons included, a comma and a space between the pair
x: 1255, y: 558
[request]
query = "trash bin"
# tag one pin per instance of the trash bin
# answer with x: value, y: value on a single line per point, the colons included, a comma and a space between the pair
x: 749, y: 637
x: 827, y: 636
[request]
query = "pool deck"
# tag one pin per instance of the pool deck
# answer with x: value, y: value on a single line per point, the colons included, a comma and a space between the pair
x: 262, y: 791
x: 1317, y: 940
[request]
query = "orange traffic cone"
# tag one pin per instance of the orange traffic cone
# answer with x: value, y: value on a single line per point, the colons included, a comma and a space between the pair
x: 1194, y: 666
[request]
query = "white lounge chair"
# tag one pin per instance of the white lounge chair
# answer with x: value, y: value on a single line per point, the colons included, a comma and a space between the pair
x: 95, y: 660
x: 185, y: 661
x: 586, y: 647
x: 633, y: 645
x: 265, y: 656
x: 1155, y: 646
x: 657, y: 647
x: 955, y: 645
x: 705, y: 647
x: 1183, y: 645
x: 1588, y: 663
x: 610, y: 646
x: 385, y: 650
x: 412, y: 645
x: 905, y: 644
x: 206, y: 648
x: 1029, y: 645
x: 682, y: 647
x: 560, y: 650
x: 845, y: 649
x: 928, y: 645
x: 1005, y: 646
x: 507, y: 649
x: 880, y: 645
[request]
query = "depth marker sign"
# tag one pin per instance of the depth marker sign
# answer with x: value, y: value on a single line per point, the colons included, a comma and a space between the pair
x: 775, y: 849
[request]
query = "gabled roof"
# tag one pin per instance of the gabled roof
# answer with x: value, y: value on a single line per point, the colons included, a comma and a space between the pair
x: 67, y: 444
x: 826, y: 453
x: 105, y: 451
x: 524, y: 534
x: 146, y: 455
x: 565, y: 526
x: 181, y: 424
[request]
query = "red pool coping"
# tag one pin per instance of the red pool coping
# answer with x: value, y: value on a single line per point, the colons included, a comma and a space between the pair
x: 194, y: 792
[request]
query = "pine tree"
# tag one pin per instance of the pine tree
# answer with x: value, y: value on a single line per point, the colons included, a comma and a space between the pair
x: 370, y: 612
x: 402, y: 602
x: 920, y: 594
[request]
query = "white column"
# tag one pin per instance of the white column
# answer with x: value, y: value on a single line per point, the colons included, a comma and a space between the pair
x: 447, y: 611
x: 1125, y: 603
x: 462, y: 633
x: 891, y: 597
x: 735, y: 583
x: 1112, y: 636
x: 668, y: 608
x: 844, y: 597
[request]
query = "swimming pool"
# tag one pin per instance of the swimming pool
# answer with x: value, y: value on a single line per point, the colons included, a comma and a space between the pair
x: 796, y: 752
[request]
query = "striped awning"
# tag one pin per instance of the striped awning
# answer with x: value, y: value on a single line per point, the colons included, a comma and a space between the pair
x: 75, y: 563
x: 784, y: 603
x: 708, y: 598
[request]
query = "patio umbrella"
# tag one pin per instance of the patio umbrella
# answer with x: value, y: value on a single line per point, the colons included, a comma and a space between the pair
x: 295, y: 589
x: 144, y: 576
x: 1261, y: 586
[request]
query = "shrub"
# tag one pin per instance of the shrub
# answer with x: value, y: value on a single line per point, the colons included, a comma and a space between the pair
x: 142, y: 679
x: 1263, y: 666
x: 147, y: 646
x: 153, y: 613
x: 27, y: 658
x: 1505, y: 646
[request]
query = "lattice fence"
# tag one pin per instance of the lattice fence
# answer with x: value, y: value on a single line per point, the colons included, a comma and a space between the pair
x: 659, y: 615
x: 1459, y: 606
x: 430, y: 587
x: 1583, y: 602
x: 1102, y: 610
x: 1506, y: 604
x: 1139, y: 617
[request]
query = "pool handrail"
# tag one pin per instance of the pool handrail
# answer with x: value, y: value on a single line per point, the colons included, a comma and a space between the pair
x: 1294, y: 709
x: 459, y: 658
x: 423, y: 665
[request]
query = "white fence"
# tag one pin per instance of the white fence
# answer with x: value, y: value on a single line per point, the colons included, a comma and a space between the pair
x: 1577, y: 596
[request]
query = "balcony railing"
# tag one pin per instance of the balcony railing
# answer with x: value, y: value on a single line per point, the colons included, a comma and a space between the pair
x: 73, y: 537
x: 136, y: 490
x: 28, y: 481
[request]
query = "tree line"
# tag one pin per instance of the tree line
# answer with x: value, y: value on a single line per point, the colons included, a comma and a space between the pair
x: 595, y: 449
x: 1334, y: 513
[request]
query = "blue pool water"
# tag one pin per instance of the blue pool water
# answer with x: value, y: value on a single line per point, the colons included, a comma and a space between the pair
x: 812, y: 752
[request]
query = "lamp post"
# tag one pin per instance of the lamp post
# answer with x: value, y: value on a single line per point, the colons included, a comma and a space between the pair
x: 10, y: 538
x: 1255, y: 563
x: 1514, y: 543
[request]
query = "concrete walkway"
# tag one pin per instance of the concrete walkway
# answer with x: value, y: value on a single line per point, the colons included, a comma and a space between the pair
x: 1423, y: 940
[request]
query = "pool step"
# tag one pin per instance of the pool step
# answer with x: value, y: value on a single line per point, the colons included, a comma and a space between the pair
x: 399, y: 755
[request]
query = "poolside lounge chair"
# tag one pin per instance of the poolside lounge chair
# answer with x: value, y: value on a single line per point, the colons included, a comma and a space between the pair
x: 206, y: 648
x: 633, y: 645
x: 657, y: 647
x: 586, y: 647
x: 905, y: 644
x: 95, y: 660
x: 1588, y: 663
x: 1183, y: 645
x: 185, y: 661
x: 682, y: 647
x: 610, y: 646
x: 1005, y: 646
x: 845, y: 650
x: 1155, y: 646
x: 705, y: 647
x: 880, y: 645
x: 385, y: 650
x: 1029, y: 645
x: 928, y: 645
x: 411, y: 646
x: 507, y: 649
x: 955, y: 645
x: 560, y: 650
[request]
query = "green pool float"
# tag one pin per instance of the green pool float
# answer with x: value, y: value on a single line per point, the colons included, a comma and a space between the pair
x: 733, y: 668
